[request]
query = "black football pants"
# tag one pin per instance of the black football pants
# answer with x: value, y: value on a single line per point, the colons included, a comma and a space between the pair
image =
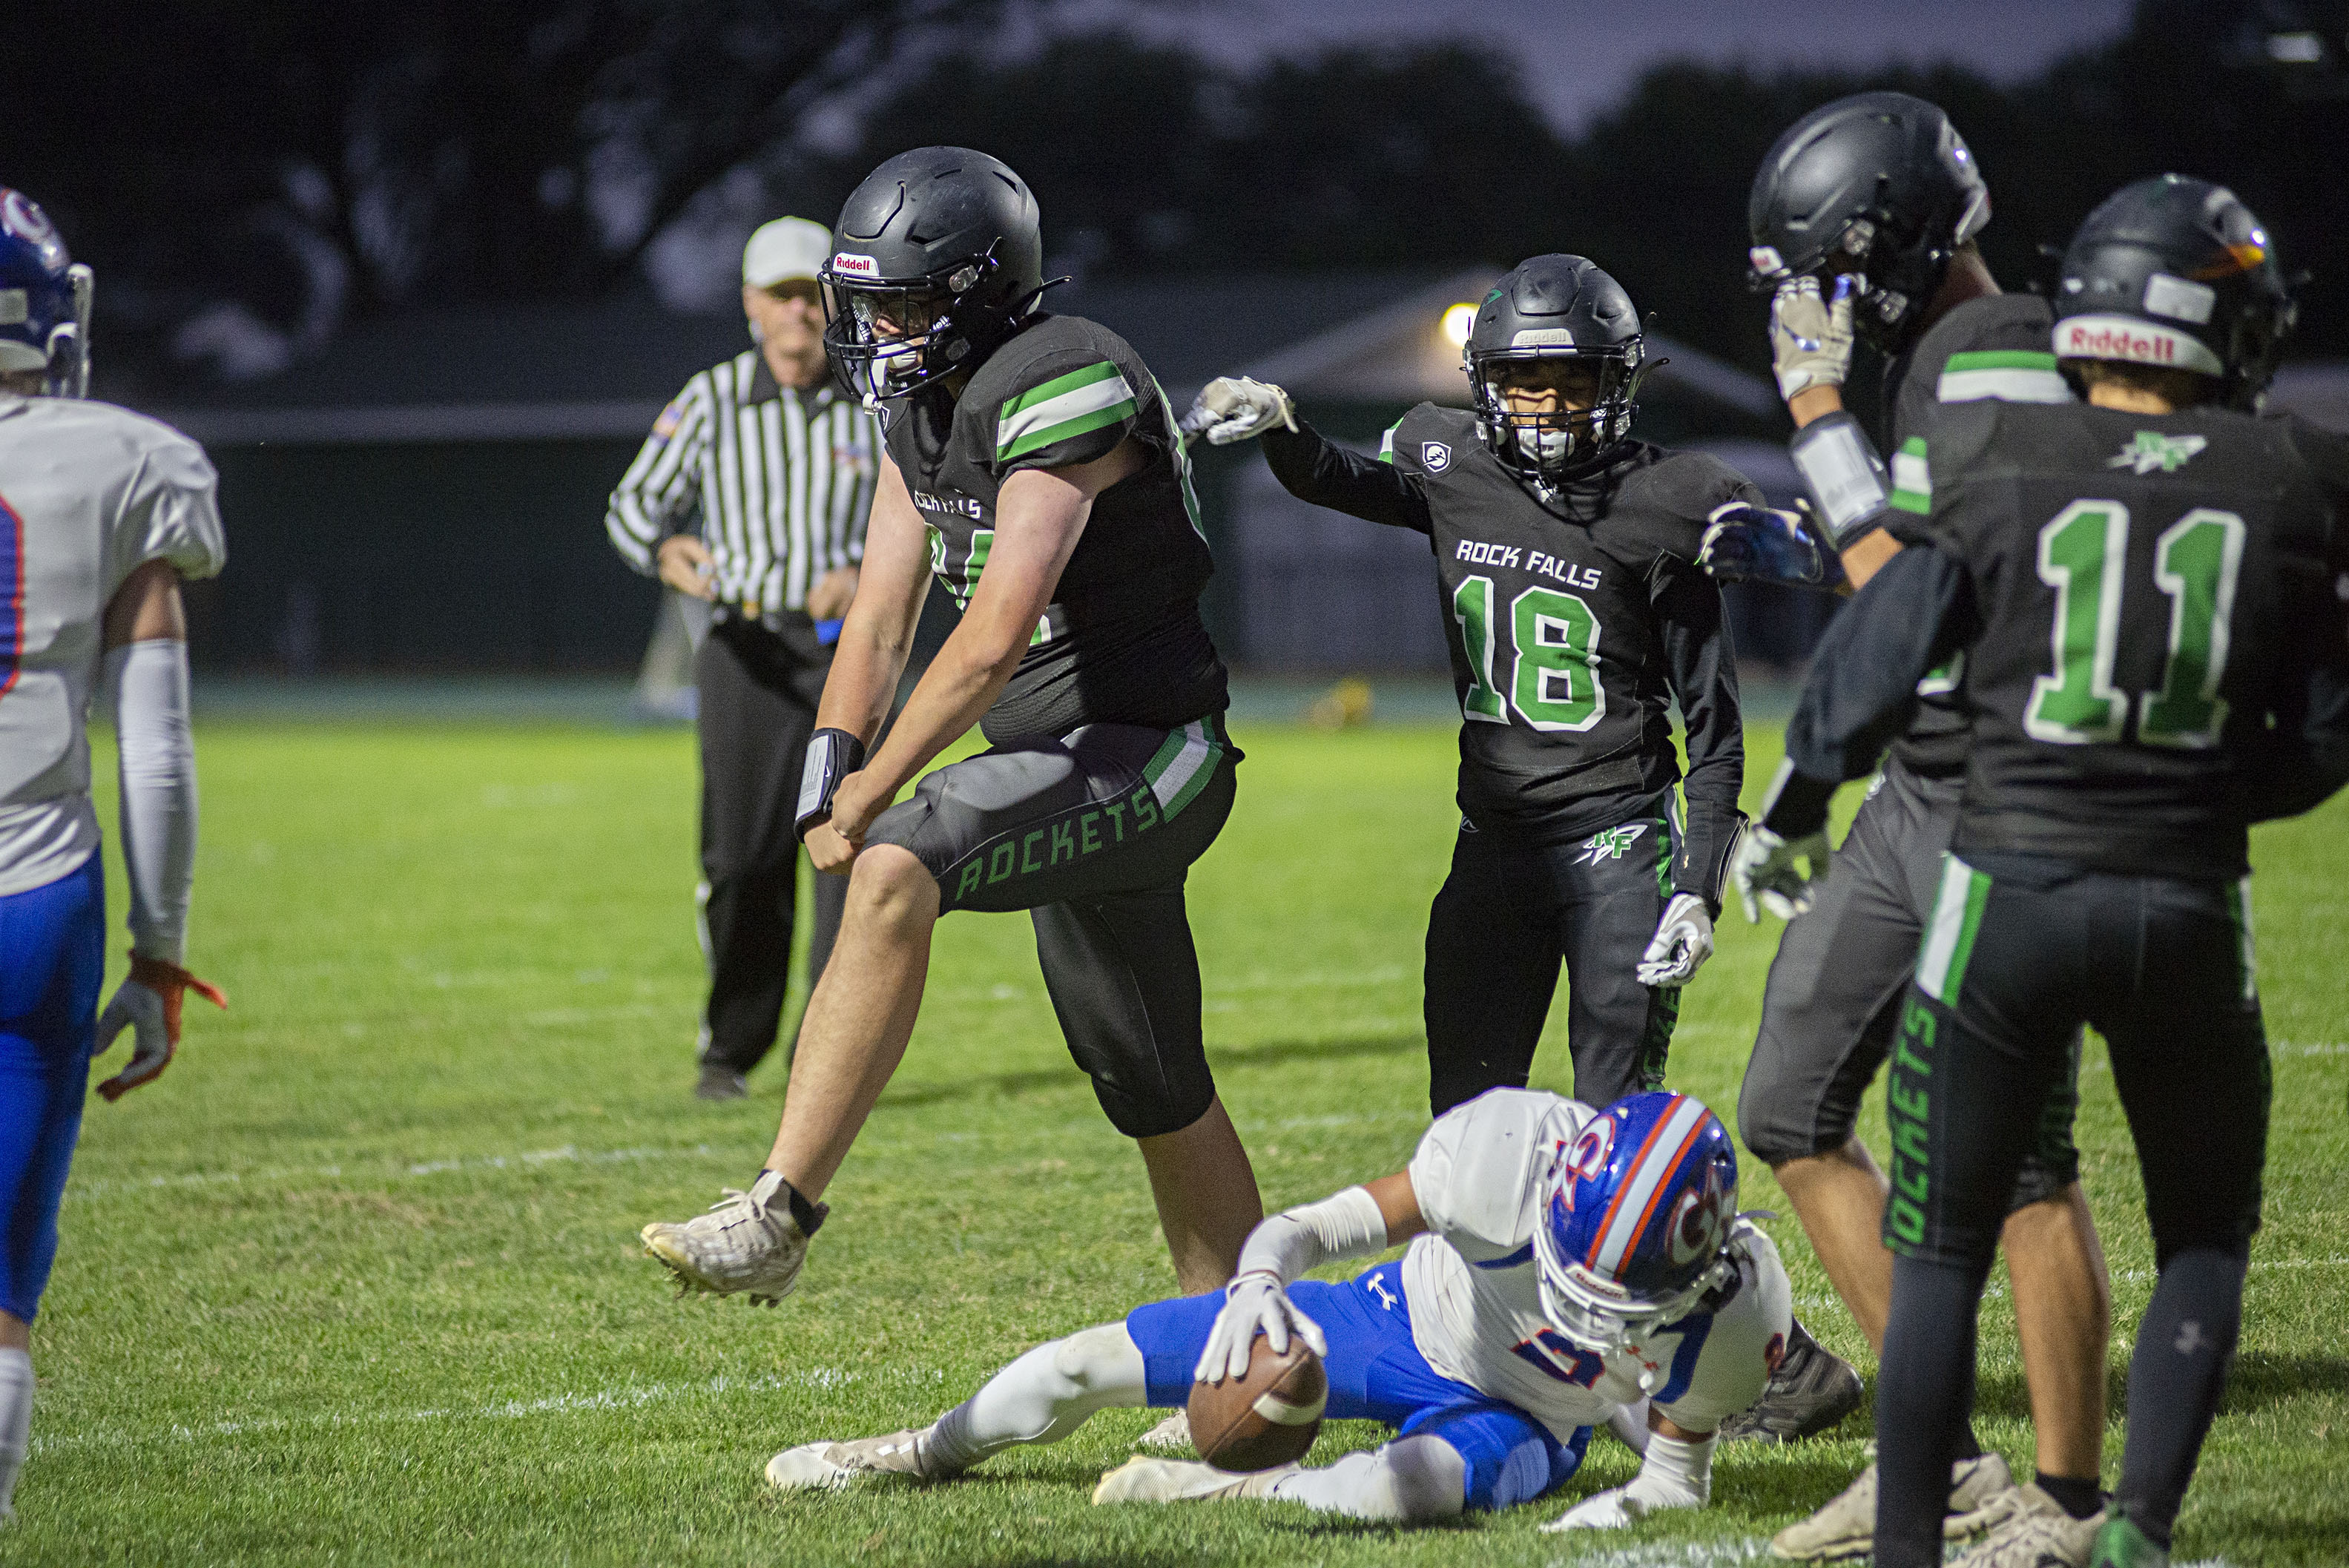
x: 1506, y: 920
x: 759, y: 690
x: 2017, y: 955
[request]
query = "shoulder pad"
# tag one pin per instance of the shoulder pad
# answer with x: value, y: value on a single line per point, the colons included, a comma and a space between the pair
x: 1998, y: 347
x: 1429, y: 439
x: 1061, y: 393
x: 1670, y: 498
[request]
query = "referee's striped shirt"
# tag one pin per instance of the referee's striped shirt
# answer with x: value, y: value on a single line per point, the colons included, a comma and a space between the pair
x: 783, y: 478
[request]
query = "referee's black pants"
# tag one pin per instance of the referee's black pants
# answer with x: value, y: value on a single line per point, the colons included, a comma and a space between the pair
x: 759, y: 690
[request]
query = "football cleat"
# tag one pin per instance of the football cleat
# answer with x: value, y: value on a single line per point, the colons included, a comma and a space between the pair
x: 2038, y: 1534
x: 749, y: 1241
x: 1171, y: 1436
x: 1811, y: 1389
x: 830, y: 1467
x: 1981, y: 1494
x: 1142, y: 1479
x: 2121, y: 1544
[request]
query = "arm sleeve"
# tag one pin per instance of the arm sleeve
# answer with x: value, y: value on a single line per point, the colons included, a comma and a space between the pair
x: 1346, y: 1225
x: 1862, y: 689
x: 1314, y: 469
x: 1703, y: 674
x: 147, y: 682
x: 653, y: 497
x: 2309, y: 760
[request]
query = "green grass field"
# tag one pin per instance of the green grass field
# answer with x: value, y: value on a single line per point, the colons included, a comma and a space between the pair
x: 357, y: 1281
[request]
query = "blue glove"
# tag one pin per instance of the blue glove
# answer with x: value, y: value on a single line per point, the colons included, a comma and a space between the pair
x: 1763, y: 544
x: 828, y: 632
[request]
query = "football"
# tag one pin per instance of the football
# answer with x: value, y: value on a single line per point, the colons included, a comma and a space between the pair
x: 1268, y: 1417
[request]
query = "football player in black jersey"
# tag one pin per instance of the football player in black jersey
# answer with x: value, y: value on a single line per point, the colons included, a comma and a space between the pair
x: 2144, y: 589
x: 1863, y: 217
x: 1034, y: 471
x: 1566, y: 554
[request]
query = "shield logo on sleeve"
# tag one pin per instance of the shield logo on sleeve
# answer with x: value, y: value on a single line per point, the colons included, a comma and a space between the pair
x: 1434, y: 455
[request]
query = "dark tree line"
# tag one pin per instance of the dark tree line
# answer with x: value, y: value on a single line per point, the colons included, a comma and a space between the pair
x: 248, y: 177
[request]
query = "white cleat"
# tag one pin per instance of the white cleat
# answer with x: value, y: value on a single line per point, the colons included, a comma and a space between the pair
x: 2037, y: 1533
x: 747, y: 1242
x: 1171, y: 1436
x: 831, y: 1467
x: 1143, y: 1479
x: 1981, y: 1494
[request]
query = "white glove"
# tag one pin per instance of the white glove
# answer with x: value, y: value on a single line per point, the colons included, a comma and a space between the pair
x: 148, y: 1003
x: 1676, y: 1474
x: 1764, y: 868
x: 1683, y: 940
x: 1234, y: 409
x: 1810, y: 337
x: 1253, y: 1304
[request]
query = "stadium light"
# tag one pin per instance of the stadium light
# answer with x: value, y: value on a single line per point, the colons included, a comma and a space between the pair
x: 1459, y: 320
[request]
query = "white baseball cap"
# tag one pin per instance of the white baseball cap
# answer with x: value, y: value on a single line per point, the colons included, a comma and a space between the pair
x: 785, y: 250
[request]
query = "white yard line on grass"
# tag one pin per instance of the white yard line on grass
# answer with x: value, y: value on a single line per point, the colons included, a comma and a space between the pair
x: 628, y: 1398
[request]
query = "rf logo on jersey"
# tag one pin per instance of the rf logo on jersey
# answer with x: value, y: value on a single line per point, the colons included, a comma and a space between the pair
x: 1611, y: 844
x: 2153, y: 450
x: 1434, y: 455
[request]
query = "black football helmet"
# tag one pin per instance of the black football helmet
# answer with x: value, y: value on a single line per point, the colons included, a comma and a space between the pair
x: 1879, y: 184
x: 936, y: 257
x: 1559, y: 319
x: 2177, y: 272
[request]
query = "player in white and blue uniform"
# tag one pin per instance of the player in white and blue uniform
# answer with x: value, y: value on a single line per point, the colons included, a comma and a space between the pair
x: 1566, y: 1267
x: 102, y: 513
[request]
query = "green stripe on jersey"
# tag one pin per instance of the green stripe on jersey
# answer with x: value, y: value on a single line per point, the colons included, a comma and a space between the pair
x: 2238, y: 911
x: 1066, y: 405
x: 1912, y: 481
x: 2004, y: 375
x: 1386, y: 442
x: 1950, y: 932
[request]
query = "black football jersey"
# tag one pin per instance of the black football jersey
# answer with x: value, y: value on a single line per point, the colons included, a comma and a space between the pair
x: 2157, y: 646
x: 1121, y: 641
x: 1997, y: 347
x: 1576, y: 618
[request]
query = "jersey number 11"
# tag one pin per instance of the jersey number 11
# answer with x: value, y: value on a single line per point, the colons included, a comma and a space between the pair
x: 2082, y: 556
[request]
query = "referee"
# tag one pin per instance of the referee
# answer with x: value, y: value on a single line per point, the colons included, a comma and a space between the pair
x: 751, y: 493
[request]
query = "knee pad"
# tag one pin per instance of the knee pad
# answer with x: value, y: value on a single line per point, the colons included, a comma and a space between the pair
x: 1099, y: 1360
x: 1421, y: 1477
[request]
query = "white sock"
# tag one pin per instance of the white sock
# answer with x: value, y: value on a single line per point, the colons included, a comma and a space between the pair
x: 16, y: 1419
x: 1042, y: 1397
x: 1405, y: 1482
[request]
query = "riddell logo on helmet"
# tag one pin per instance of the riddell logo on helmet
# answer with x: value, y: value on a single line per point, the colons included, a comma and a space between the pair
x: 855, y: 266
x: 2082, y: 341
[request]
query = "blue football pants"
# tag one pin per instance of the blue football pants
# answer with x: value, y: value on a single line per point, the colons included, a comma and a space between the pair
x: 1377, y: 1374
x: 52, y: 963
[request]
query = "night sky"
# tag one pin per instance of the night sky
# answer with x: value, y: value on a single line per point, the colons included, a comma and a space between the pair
x: 1579, y: 54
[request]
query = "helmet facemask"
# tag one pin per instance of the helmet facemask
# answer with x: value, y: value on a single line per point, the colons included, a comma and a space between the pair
x: 1572, y: 407
x: 890, y: 337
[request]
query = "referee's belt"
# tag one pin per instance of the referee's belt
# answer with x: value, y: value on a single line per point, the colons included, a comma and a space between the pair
x: 774, y: 619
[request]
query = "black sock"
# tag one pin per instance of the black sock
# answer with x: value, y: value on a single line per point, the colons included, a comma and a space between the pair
x: 2078, y: 1496
x: 1924, y: 1390
x: 2184, y: 1347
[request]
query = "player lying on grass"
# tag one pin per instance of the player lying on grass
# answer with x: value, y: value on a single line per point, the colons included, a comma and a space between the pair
x: 1033, y: 470
x: 1567, y: 1268
x: 2144, y: 590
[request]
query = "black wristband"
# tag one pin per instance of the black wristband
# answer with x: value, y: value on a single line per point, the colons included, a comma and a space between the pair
x: 832, y: 756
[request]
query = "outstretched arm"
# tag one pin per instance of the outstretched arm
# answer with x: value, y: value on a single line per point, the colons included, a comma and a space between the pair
x: 1315, y: 469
